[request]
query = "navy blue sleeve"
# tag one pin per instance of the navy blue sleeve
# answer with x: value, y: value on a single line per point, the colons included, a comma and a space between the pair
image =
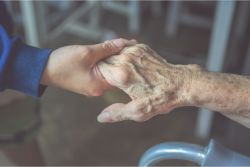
x: 21, y: 66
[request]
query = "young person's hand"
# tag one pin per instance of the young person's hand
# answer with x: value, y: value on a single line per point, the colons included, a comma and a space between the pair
x: 74, y: 67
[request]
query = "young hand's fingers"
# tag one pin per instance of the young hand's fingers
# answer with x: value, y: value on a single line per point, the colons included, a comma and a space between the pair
x: 108, y: 48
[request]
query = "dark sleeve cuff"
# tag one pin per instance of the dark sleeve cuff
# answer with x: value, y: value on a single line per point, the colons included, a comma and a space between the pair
x: 25, y: 68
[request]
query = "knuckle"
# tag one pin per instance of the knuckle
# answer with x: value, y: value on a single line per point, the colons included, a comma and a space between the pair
x: 144, y: 47
x: 123, y: 75
x: 127, y: 58
x: 137, y: 50
x: 195, y: 67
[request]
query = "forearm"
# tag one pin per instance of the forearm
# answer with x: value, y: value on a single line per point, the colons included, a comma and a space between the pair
x: 228, y: 94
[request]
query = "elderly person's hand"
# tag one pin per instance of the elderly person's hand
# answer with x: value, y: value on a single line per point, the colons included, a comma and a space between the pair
x: 74, y: 67
x: 154, y: 85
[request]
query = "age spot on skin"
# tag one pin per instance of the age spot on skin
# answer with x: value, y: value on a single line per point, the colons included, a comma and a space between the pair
x: 151, y: 79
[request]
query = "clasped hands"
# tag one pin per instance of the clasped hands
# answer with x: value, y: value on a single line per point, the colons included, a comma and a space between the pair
x: 154, y: 85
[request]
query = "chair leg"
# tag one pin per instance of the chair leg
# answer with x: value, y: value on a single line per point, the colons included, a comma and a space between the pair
x: 134, y: 17
x: 173, y: 18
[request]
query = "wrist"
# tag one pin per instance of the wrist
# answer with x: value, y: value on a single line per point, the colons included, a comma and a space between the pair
x: 45, y: 78
x: 189, y: 89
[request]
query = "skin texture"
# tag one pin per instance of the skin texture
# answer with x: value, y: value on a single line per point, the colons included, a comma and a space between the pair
x: 156, y: 87
x: 74, y: 67
x: 228, y: 94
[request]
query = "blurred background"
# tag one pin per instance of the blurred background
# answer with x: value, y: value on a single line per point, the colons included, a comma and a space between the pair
x: 61, y: 127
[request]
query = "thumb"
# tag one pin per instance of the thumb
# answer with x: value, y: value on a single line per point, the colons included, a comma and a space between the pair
x: 119, y: 112
x: 109, y: 48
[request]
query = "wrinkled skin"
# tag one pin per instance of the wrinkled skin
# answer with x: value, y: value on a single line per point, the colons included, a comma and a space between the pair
x: 154, y: 85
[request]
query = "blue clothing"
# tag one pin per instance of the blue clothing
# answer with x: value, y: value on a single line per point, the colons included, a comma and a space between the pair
x: 21, y: 65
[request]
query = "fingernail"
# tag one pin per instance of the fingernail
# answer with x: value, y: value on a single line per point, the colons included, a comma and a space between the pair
x: 103, y: 117
x: 118, y: 43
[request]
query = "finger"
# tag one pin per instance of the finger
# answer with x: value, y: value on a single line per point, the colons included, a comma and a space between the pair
x: 127, y: 42
x: 114, y: 113
x: 120, y: 112
x: 114, y: 75
x: 134, y: 41
x: 108, y: 48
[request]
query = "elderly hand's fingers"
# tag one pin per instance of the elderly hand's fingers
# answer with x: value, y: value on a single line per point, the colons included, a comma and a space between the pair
x: 114, y: 75
x: 113, y: 113
x: 108, y: 48
x: 132, y: 42
x: 120, y: 112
